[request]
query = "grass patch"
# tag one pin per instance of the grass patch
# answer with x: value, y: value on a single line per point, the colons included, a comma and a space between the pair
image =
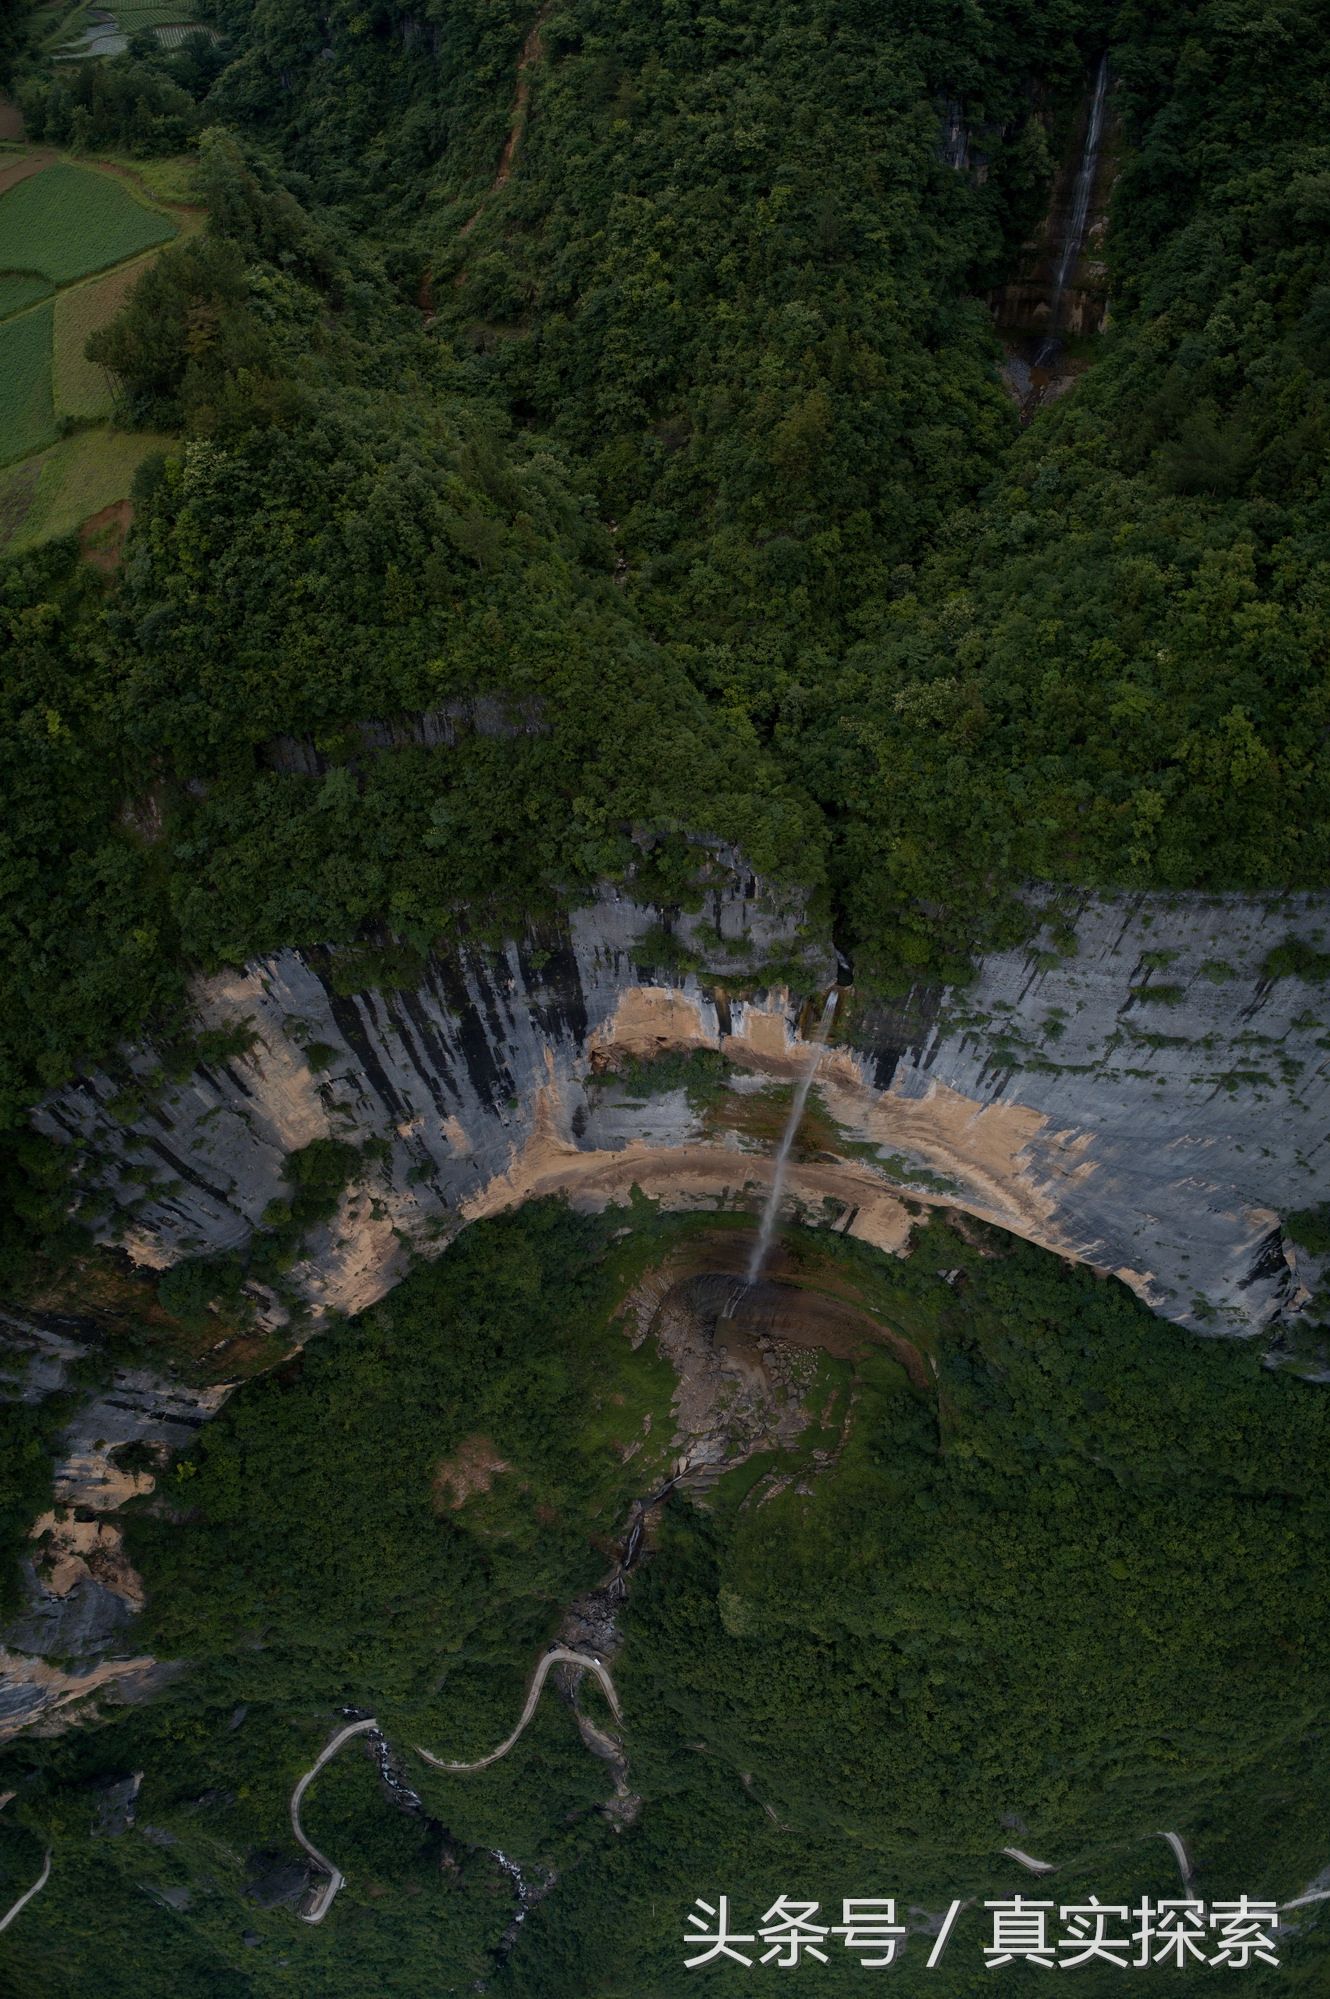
x: 75, y: 478
x: 702, y: 1072
x: 27, y: 415
x: 70, y: 221
x: 170, y: 179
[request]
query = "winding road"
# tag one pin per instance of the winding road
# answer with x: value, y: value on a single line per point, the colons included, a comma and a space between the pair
x: 556, y: 1656
x: 23, y: 1900
x: 1027, y: 1861
x: 323, y: 1900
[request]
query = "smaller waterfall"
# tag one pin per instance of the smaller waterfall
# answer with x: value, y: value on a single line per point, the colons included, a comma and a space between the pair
x: 771, y: 1211
x: 955, y: 145
x: 1082, y: 194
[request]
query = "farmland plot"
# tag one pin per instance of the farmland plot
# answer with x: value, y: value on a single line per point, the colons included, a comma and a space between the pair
x: 67, y: 222
x: 81, y: 387
x: 21, y: 288
x: 27, y: 417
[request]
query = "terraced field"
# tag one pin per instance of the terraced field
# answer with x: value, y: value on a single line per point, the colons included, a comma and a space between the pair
x: 75, y: 33
x: 74, y: 240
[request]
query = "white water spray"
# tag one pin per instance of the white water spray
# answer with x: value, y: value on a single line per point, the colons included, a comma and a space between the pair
x: 771, y: 1212
x: 1080, y: 213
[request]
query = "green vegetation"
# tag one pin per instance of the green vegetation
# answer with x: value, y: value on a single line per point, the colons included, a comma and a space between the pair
x: 19, y: 289
x: 1297, y: 960
x: 137, y: 100
x: 28, y: 1436
x: 1310, y: 1227
x: 864, y: 625
x: 988, y: 1603
x: 27, y: 417
x: 702, y: 1072
x: 848, y: 614
x: 673, y: 435
x: 68, y: 221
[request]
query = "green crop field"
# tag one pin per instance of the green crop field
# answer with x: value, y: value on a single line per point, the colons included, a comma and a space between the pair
x: 69, y: 221
x: 21, y: 288
x: 173, y: 36
x: 27, y: 418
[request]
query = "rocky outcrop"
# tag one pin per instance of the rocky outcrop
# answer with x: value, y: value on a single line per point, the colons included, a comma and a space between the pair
x: 1182, y: 1091
x: 73, y: 1638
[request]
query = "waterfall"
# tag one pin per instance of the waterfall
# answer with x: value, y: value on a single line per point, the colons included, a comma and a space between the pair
x: 771, y: 1211
x: 1082, y: 193
x: 955, y: 138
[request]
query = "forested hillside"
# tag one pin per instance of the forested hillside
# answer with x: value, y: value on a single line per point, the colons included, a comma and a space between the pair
x: 1035, y: 1602
x: 677, y: 416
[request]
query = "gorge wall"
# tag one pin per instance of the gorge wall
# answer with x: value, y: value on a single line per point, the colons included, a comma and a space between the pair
x: 1134, y: 1089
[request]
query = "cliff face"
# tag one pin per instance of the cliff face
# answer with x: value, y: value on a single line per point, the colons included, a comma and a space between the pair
x: 1182, y: 1091
x: 74, y: 1638
x: 1148, y: 1101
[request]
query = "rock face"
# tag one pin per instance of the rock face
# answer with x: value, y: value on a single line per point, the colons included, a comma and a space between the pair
x: 1183, y: 1092
x: 1145, y: 1098
x: 457, y: 1077
x: 73, y: 1638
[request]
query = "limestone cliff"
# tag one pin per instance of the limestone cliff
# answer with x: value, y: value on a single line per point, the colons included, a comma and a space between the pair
x: 1145, y: 1098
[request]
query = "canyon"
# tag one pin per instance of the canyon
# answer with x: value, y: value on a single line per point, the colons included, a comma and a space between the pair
x: 1134, y: 1088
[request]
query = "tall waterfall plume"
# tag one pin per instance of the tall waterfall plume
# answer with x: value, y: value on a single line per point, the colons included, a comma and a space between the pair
x: 1082, y: 194
x: 770, y: 1213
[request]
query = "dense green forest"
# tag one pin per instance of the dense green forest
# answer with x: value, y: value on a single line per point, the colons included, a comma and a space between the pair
x: 681, y: 433
x: 1073, y: 1587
